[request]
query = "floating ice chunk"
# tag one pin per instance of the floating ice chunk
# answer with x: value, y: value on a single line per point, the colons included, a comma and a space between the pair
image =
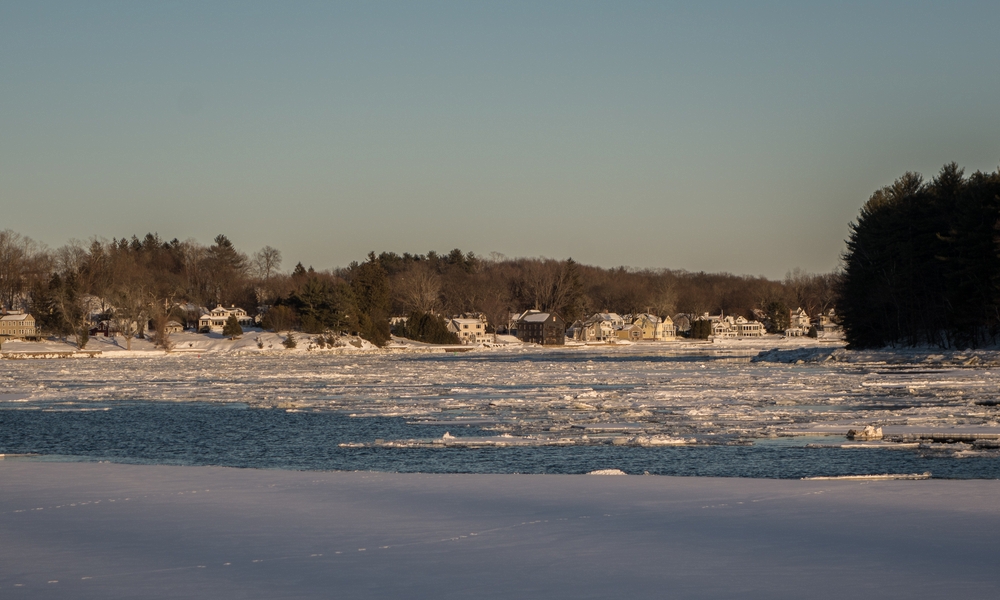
x: 884, y: 477
x: 608, y: 472
x: 870, y: 432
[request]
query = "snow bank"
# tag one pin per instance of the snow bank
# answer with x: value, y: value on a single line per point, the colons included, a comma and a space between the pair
x: 253, y: 341
x: 106, y: 531
x: 258, y: 341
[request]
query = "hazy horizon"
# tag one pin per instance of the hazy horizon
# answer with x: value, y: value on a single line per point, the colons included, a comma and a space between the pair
x: 722, y: 137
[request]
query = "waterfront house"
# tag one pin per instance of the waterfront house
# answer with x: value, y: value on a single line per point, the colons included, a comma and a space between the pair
x: 798, y: 323
x: 17, y: 325
x: 629, y: 331
x: 469, y: 330
x: 654, y: 328
x: 216, y: 319
x: 536, y: 327
x: 603, y: 326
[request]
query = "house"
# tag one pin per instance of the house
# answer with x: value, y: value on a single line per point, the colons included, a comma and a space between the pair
x: 799, y: 323
x: 828, y: 322
x: 602, y: 327
x: 630, y: 331
x: 17, y: 325
x: 173, y: 327
x: 745, y: 328
x: 216, y: 320
x: 105, y: 327
x: 729, y: 327
x: 536, y: 327
x: 469, y: 330
x: 723, y: 328
x: 669, y: 330
x: 654, y: 328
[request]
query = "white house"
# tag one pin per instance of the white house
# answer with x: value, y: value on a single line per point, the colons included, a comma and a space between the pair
x: 738, y: 327
x: 799, y: 323
x: 216, y: 319
x: 745, y: 328
x: 469, y: 331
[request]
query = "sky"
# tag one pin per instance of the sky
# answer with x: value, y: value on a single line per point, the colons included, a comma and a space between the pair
x: 711, y: 136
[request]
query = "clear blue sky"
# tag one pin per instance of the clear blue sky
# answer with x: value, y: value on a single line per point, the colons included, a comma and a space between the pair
x: 737, y: 137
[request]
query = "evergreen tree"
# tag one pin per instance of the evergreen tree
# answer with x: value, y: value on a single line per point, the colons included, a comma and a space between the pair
x: 232, y: 328
x: 370, y: 284
x: 701, y: 329
x: 778, y: 316
x: 322, y: 305
x: 226, y: 269
x: 922, y: 263
x: 279, y: 318
x: 426, y: 327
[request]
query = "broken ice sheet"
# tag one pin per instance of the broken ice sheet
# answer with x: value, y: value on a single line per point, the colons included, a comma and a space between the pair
x: 634, y: 395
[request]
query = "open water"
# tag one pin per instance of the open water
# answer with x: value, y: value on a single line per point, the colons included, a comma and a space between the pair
x: 570, y: 411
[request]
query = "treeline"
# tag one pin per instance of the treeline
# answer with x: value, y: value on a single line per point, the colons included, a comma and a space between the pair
x: 137, y: 279
x: 922, y: 265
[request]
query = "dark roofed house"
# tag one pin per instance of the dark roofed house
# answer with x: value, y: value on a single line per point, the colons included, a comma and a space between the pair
x: 547, y: 329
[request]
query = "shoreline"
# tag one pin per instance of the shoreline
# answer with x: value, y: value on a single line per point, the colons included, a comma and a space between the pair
x: 101, y: 530
x: 261, y: 343
x: 777, y: 351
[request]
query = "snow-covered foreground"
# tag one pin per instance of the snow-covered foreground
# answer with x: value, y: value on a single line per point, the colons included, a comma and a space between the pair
x: 125, y: 531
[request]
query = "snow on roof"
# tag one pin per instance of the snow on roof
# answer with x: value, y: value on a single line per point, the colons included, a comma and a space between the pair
x: 536, y: 317
x: 16, y: 317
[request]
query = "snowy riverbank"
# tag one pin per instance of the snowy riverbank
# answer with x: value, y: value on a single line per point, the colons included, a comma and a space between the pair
x: 88, y: 530
x: 255, y: 341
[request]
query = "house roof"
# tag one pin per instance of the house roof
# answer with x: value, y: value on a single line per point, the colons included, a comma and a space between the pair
x: 16, y: 317
x: 536, y: 317
x: 463, y: 321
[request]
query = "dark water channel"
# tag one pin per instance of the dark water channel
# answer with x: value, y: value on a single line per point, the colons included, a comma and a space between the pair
x: 238, y: 436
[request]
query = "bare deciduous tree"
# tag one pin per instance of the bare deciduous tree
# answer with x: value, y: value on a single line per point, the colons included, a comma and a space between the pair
x: 419, y: 289
x: 23, y: 262
x: 131, y: 310
x: 266, y: 262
